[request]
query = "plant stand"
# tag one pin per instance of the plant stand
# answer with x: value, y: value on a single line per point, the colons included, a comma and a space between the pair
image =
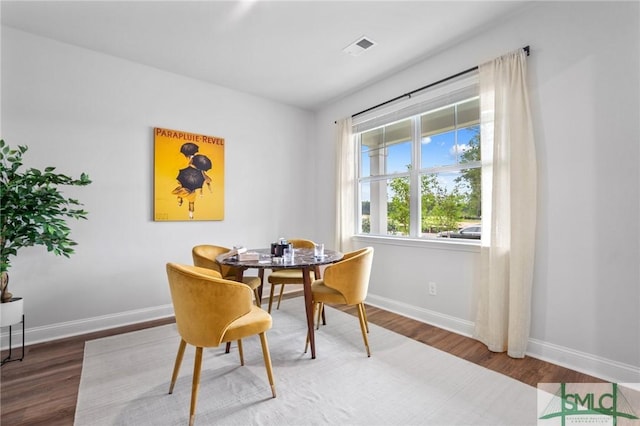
x: 12, y: 313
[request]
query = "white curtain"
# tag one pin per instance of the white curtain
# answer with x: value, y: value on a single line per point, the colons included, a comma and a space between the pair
x: 508, y: 206
x: 345, y: 185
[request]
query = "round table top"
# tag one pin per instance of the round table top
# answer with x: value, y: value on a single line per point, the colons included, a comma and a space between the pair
x: 303, y: 257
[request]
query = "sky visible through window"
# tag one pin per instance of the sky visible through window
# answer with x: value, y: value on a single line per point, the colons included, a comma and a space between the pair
x: 438, y: 150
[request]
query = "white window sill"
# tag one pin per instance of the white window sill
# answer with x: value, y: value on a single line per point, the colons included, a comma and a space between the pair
x: 472, y: 246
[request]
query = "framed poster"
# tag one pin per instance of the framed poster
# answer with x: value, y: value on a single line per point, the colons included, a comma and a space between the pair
x: 188, y: 176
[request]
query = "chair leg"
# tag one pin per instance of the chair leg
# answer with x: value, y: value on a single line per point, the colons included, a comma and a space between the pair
x: 280, y: 296
x: 363, y: 327
x: 240, y: 352
x: 320, y: 314
x: 195, y: 385
x: 366, y: 320
x: 273, y: 286
x: 267, y: 362
x: 257, y: 295
x: 178, y: 363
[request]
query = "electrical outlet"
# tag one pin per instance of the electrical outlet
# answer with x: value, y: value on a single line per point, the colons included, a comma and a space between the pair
x: 433, y: 289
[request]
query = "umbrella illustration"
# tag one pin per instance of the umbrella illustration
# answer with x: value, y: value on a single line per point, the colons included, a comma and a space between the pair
x: 190, y: 178
x: 189, y: 149
x: 201, y: 162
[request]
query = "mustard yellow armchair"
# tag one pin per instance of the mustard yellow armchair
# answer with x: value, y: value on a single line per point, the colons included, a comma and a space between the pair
x: 209, y: 311
x: 346, y: 283
x: 205, y: 255
x: 287, y: 276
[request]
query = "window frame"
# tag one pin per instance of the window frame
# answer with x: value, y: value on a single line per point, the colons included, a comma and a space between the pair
x: 395, y: 114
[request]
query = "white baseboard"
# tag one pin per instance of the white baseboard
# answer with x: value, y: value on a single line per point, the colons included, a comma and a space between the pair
x: 437, y: 319
x: 592, y: 365
x: 605, y: 369
x: 73, y: 328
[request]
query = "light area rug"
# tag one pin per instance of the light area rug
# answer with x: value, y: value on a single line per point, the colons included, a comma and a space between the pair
x: 125, y: 381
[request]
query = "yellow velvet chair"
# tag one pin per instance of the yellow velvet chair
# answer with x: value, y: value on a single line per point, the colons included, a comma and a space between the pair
x: 287, y: 276
x: 205, y: 255
x: 346, y: 283
x: 209, y: 311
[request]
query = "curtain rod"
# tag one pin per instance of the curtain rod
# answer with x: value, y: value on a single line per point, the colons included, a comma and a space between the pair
x: 408, y: 94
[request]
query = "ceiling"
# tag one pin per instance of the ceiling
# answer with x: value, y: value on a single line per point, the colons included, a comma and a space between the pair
x: 288, y: 51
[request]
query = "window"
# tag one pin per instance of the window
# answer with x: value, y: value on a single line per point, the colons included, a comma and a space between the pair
x: 419, y: 167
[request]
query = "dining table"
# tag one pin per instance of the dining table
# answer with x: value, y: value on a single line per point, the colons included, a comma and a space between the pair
x: 303, y: 259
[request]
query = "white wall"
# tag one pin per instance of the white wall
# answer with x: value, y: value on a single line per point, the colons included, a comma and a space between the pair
x: 82, y: 111
x: 584, y: 82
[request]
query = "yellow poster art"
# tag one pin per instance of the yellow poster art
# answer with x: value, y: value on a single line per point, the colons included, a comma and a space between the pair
x: 188, y: 176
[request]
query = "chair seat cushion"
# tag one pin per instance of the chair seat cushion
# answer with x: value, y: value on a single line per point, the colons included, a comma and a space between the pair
x: 324, y: 294
x: 288, y: 276
x: 255, y: 322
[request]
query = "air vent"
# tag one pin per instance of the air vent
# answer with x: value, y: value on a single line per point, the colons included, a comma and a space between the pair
x: 357, y: 47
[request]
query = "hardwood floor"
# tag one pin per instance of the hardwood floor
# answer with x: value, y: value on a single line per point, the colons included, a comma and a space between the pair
x: 43, y: 388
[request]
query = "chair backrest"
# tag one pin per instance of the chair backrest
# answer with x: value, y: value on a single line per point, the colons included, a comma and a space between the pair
x: 204, y: 256
x: 205, y: 304
x: 301, y: 243
x: 350, y: 276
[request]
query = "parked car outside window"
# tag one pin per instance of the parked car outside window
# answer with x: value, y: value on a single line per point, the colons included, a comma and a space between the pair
x: 473, y: 232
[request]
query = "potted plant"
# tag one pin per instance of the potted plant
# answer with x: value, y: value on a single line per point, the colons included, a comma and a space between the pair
x: 33, y: 210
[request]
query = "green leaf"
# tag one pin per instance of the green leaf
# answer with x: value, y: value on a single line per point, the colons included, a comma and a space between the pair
x: 33, y: 208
